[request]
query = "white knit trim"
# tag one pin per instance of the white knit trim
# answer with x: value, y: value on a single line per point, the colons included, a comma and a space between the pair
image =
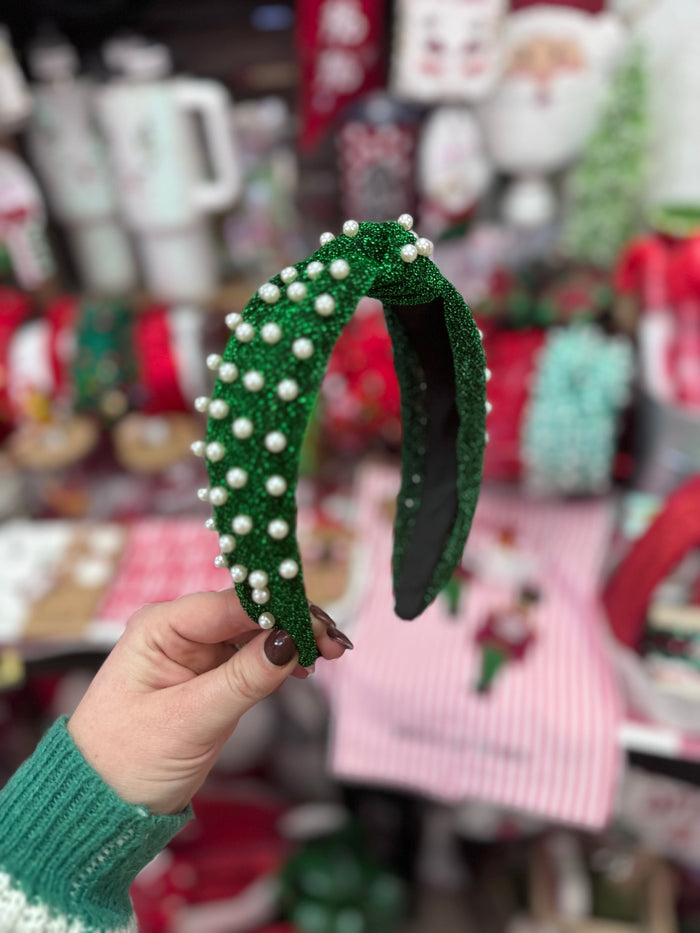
x: 17, y: 915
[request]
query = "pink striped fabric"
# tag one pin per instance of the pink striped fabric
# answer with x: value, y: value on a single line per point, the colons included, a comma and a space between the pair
x: 405, y: 711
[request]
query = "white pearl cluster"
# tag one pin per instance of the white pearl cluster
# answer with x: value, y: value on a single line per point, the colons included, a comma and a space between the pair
x: 411, y: 251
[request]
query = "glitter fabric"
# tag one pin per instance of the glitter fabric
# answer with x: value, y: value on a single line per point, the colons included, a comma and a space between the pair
x: 258, y: 417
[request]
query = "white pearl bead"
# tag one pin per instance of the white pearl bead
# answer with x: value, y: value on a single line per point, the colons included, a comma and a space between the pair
x: 238, y: 573
x: 302, y: 348
x: 202, y: 403
x: 199, y: 448
x: 203, y: 495
x: 218, y: 495
x: 233, y: 319
x: 271, y: 332
x: 269, y: 292
x: 228, y: 372
x: 424, y: 246
x: 288, y: 390
x: 242, y: 428
x: 489, y: 407
x: 351, y: 228
x: 278, y: 529
x: 242, y: 524
x: 480, y: 333
x: 486, y: 437
x: 245, y: 332
x: 220, y: 561
x: 258, y: 579
x: 405, y: 221
x: 236, y: 477
x: 261, y: 596
x: 339, y: 269
x: 218, y: 409
x: 296, y: 291
x: 227, y: 543
x: 326, y: 238
x: 314, y: 269
x: 275, y: 442
x: 210, y: 524
x: 214, y: 361
x: 215, y: 451
x: 288, y: 274
x: 288, y: 569
x: 276, y: 485
x: 487, y: 374
x: 253, y: 381
x: 266, y: 620
x: 324, y: 305
x: 409, y: 252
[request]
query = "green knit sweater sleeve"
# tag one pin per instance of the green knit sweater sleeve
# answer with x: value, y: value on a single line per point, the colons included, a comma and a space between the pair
x: 70, y: 846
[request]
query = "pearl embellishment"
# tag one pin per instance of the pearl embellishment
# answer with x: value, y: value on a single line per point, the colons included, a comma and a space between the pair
x: 218, y: 409
x: 213, y: 361
x: 339, y: 269
x: 489, y: 407
x: 233, y: 319
x: 236, y: 477
x: 242, y: 428
x: 227, y: 543
x: 269, y: 292
x: 218, y: 495
x: 351, y: 228
x: 278, y: 528
x: 326, y: 238
x: 409, y: 252
x: 275, y: 442
x: 314, y: 269
x: 228, y: 372
x: 238, y: 573
x: 202, y: 403
x: 261, y: 596
x: 258, y: 579
x: 424, y: 246
x: 288, y: 569
x: 266, y: 620
x: 302, y: 348
x: 199, y: 448
x: 242, y: 524
x: 288, y: 390
x: 253, y: 381
x: 220, y: 561
x: 296, y: 291
x: 271, y: 332
x: 324, y: 305
x: 288, y: 274
x: 210, y: 524
x: 203, y: 495
x: 487, y: 374
x: 405, y: 221
x: 215, y: 451
x: 276, y: 485
x: 245, y: 332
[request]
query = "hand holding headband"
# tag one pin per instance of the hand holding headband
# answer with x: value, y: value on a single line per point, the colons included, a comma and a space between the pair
x: 268, y: 380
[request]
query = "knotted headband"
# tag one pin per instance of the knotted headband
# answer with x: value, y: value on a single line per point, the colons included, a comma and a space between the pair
x: 267, y: 383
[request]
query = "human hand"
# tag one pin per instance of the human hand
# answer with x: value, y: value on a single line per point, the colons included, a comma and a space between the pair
x: 158, y: 711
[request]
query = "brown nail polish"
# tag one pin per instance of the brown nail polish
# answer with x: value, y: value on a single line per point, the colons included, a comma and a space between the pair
x: 280, y: 647
x: 332, y: 630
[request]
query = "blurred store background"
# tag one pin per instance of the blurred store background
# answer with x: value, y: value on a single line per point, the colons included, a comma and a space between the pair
x: 525, y: 756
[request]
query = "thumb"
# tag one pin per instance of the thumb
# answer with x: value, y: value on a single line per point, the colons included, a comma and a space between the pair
x: 251, y: 674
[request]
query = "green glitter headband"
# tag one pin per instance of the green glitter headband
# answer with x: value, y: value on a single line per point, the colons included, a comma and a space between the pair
x: 268, y: 380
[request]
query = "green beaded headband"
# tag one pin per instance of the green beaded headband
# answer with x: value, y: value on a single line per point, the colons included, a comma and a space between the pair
x: 268, y: 380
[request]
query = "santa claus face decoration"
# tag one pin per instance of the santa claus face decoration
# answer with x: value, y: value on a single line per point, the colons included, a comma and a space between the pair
x: 447, y: 50
x: 555, y: 65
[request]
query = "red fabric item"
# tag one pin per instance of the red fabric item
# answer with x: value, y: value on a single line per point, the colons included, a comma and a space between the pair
x: 156, y: 362
x: 667, y: 540
x: 62, y: 315
x: 14, y: 309
x: 643, y: 269
x: 341, y: 56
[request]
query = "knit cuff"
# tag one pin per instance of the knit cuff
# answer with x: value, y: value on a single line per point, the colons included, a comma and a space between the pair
x: 70, y: 842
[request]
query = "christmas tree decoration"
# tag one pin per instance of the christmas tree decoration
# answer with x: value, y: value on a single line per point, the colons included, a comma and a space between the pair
x: 269, y: 377
x: 607, y: 186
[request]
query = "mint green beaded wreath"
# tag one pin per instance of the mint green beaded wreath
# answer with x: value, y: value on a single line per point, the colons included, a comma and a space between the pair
x: 268, y: 380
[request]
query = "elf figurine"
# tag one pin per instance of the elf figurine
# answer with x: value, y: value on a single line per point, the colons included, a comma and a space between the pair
x: 506, y: 635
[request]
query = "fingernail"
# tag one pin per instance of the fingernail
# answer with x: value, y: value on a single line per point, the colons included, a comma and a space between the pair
x: 332, y: 630
x: 280, y: 647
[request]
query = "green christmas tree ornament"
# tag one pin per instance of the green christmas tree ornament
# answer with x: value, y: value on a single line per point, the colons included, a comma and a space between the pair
x: 267, y: 383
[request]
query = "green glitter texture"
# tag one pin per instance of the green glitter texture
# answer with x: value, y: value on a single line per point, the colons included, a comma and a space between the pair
x: 376, y: 270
